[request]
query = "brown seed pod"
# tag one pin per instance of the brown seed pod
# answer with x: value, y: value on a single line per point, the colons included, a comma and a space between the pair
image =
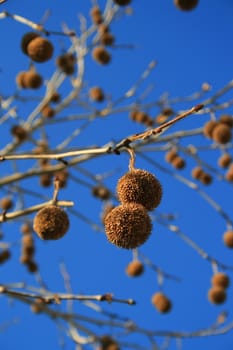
x: 226, y: 119
x: 209, y: 127
x: 220, y: 279
x: 26, y: 228
x: 4, y: 255
x: 19, y: 133
x: 134, y: 268
x: 128, y: 226
x: 55, y: 97
x: 96, y: 15
x: 37, y: 306
x: 101, y: 55
x: 66, y: 63
x: 101, y: 192
x: 228, y: 238
x: 62, y: 177
x: 6, y: 203
x: 40, y: 49
x: 20, y: 79
x: 186, y: 5
x: 96, y: 94
x: 171, y: 155
x: 222, y: 134
x: 108, y: 343
x: 225, y: 160
x: 229, y: 173
x: 32, y: 266
x: 217, y: 295
x: 51, y: 222
x: 32, y: 80
x: 107, y: 39
x: 26, y: 40
x: 122, y: 2
x: 47, y: 111
x: 178, y: 162
x: 197, y: 172
x: 139, y: 116
x: 140, y: 186
x: 161, y: 302
x: 46, y: 180
x: 206, y: 178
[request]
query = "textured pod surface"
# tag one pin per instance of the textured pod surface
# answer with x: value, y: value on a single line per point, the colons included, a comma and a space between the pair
x: 220, y: 279
x: 128, y: 226
x: 51, y: 222
x: 140, y: 186
x: 40, y: 49
x: 161, y: 302
x: 222, y: 134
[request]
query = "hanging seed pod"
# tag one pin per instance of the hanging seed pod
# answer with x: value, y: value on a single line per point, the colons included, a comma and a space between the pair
x: 47, y: 111
x: 228, y: 238
x: 197, y: 172
x: 6, y: 203
x: 19, y: 133
x: 4, y: 255
x: 20, y: 79
x: 206, y: 178
x: 51, y: 222
x: 217, y: 295
x: 66, y: 63
x: 101, y: 192
x: 140, y: 186
x: 101, y: 55
x: 225, y: 160
x: 209, y: 127
x: 171, y: 155
x: 222, y: 134
x: 107, y: 39
x: 226, y: 119
x: 96, y: 15
x: 161, y: 302
x: 229, y: 173
x: 220, y: 279
x: 186, y: 5
x: 178, y: 162
x: 122, y: 2
x: 40, y: 49
x: 134, y: 268
x: 96, y: 94
x: 26, y: 40
x: 128, y: 226
x: 32, y: 80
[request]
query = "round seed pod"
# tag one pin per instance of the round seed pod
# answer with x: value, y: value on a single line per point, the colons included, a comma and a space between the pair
x: 206, y: 178
x: 96, y: 15
x: 6, y: 203
x: 101, y: 55
x: 101, y: 192
x: 96, y: 94
x: 47, y: 111
x: 140, y: 186
x: 32, y: 80
x: 66, y: 63
x: 46, y: 180
x: 26, y: 228
x: 37, y: 306
x: 134, y: 268
x: 220, y: 279
x: 139, y: 116
x: 20, y: 79
x: 32, y: 266
x: 161, y: 302
x: 51, y: 222
x: 107, y: 39
x: 55, y: 97
x: 222, y: 134
x: 128, y: 226
x: 178, y: 162
x: 197, y: 172
x: 228, y: 238
x: 122, y: 2
x: 186, y: 5
x: 26, y: 40
x: 225, y: 160
x: 19, y: 133
x: 170, y: 155
x: 209, y: 127
x: 226, y: 119
x: 217, y: 295
x: 40, y: 49
x: 4, y: 255
x: 229, y: 173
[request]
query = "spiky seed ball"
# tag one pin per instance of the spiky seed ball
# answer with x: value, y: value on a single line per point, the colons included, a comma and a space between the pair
x: 40, y: 49
x: 134, y: 268
x: 32, y: 80
x: 62, y: 177
x: 206, y: 178
x: 101, y: 55
x: 19, y: 132
x: 96, y: 94
x: 209, y: 127
x: 161, y: 302
x: 140, y: 186
x: 220, y: 279
x: 178, y: 162
x: 128, y: 226
x: 51, y: 222
x: 226, y: 119
x: 26, y: 40
x: 186, y: 5
x: 6, y: 203
x: 222, y: 134
x: 197, y: 172
x: 228, y: 238
x: 217, y: 295
x: 122, y: 2
x: 225, y: 160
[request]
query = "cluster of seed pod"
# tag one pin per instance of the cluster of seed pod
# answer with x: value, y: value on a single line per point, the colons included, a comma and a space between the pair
x: 129, y: 225
x: 28, y: 248
x: 161, y: 302
x: 30, y: 79
x: 186, y: 5
x: 36, y: 47
x: 173, y: 158
x: 219, y: 130
x: 217, y: 293
x: 141, y: 117
x: 199, y: 174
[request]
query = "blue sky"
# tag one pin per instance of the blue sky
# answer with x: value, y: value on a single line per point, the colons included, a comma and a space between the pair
x: 190, y: 49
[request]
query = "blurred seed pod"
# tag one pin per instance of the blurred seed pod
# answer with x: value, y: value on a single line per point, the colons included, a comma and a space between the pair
x: 47, y: 111
x: 103, y: 28
x: 55, y: 97
x: 37, y: 306
x: 46, y: 180
x: 229, y: 173
x: 107, y: 39
x: 96, y: 94
x: 26, y: 228
x: 31, y: 80
x: 178, y: 162
x: 222, y: 133
x: 128, y: 226
x: 228, y: 238
x: 96, y: 15
x: 122, y: 2
x: 101, y: 192
x: 161, y: 302
x: 139, y: 116
x: 27, y: 37
x: 20, y: 79
x: 170, y: 155
x: 209, y: 127
x: 205, y: 178
x: 186, y: 5
x: 19, y: 133
x: 217, y: 295
x: 134, y: 268
x: 40, y: 49
x: 140, y: 186
x: 6, y: 203
x: 66, y: 63
x: 226, y: 119
x: 101, y: 55
x: 4, y: 255
x: 51, y: 223
x: 108, y: 343
x: 62, y: 177
x: 32, y: 266
x: 197, y: 172
x: 225, y: 160
x: 220, y: 279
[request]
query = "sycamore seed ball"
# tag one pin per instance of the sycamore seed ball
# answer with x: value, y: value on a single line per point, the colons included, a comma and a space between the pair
x: 128, y: 225
x: 51, y: 222
x: 122, y: 2
x: 186, y: 5
x: 134, y: 268
x: 228, y: 238
x: 40, y: 49
x: 140, y: 186
x: 217, y: 295
x: 222, y: 134
x: 225, y: 160
x: 26, y: 40
x: 161, y: 302
x: 220, y: 279
x: 101, y: 55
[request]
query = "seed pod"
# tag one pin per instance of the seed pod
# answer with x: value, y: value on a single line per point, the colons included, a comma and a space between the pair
x: 220, y: 279
x: 225, y: 160
x: 229, y: 173
x: 171, y: 155
x: 20, y: 79
x: 226, y: 119
x: 228, y: 238
x: 96, y: 94
x: 101, y: 55
x: 209, y: 127
x: 134, y: 268
x: 66, y: 63
x: 32, y: 80
x: 186, y: 5
x: 26, y: 40
x: 26, y: 228
x: 32, y: 266
x: 51, y: 222
x: 122, y: 2
x: 46, y: 180
x: 222, y: 134
x: 107, y: 39
x: 161, y: 302
x: 128, y: 226
x: 178, y: 162
x: 6, y: 203
x: 197, y: 172
x: 55, y: 97
x: 40, y: 49
x: 101, y: 192
x: 217, y: 295
x: 96, y: 15
x: 19, y: 133
x: 206, y: 178
x: 37, y: 306
x: 47, y: 111
x: 4, y: 255
x: 108, y: 343
x: 140, y: 186
x: 62, y: 177
x: 139, y: 116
